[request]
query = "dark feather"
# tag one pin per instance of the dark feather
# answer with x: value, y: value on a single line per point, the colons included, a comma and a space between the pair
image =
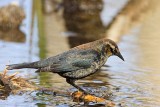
x: 66, y: 62
x: 75, y: 60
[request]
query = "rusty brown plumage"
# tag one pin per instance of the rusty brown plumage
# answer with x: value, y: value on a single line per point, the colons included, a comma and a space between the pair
x: 76, y: 63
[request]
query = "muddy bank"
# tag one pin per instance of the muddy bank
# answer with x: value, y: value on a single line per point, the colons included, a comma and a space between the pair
x: 11, y: 17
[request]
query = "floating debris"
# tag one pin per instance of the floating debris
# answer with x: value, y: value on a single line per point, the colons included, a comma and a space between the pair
x: 10, y: 84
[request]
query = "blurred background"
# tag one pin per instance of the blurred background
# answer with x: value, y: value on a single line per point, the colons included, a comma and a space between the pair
x: 31, y: 30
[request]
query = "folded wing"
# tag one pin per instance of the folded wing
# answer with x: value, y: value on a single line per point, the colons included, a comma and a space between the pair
x: 75, y: 60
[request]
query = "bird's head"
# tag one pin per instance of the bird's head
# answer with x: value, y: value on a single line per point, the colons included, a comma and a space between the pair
x: 112, y: 49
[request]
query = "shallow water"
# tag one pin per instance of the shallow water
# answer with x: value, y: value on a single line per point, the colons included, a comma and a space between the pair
x: 133, y: 83
x: 24, y: 49
x: 137, y: 83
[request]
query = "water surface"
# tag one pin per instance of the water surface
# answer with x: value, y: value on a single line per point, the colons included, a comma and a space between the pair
x: 133, y: 83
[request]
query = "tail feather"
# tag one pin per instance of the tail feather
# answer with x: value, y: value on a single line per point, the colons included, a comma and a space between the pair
x: 36, y: 65
x: 20, y: 66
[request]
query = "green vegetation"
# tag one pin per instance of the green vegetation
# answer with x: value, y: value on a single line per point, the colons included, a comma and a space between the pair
x: 37, y: 6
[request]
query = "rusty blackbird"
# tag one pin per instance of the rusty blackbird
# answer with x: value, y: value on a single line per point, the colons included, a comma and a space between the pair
x: 76, y: 63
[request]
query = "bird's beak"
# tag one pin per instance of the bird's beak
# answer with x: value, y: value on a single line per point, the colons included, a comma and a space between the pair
x: 120, y: 56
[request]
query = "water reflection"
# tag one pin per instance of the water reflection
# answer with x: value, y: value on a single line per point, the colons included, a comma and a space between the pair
x: 10, y: 21
x: 13, y: 35
x: 149, y: 43
x: 83, y: 18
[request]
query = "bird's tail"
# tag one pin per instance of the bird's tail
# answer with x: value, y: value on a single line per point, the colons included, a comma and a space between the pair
x: 22, y: 65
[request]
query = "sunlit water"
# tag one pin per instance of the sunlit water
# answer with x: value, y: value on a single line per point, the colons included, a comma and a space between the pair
x: 133, y: 83
x: 138, y: 84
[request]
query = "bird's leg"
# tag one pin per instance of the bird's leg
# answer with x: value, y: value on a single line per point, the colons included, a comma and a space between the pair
x: 72, y: 82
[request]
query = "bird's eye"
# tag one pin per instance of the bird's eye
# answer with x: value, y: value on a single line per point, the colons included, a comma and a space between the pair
x: 112, y: 50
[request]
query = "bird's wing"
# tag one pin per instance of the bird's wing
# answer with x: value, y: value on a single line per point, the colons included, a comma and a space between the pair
x: 75, y: 60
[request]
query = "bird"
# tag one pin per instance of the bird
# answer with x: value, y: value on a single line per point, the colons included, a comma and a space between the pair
x: 76, y: 63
